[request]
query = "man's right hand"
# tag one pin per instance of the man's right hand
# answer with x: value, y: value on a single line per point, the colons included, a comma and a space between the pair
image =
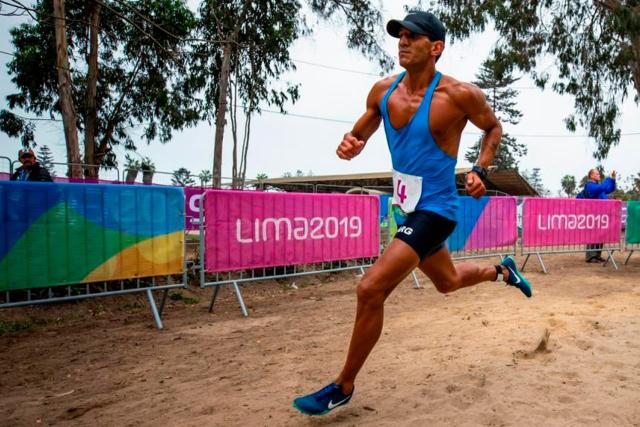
x: 349, y: 147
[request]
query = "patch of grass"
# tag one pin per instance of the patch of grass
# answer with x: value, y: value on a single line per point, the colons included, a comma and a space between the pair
x: 136, y: 305
x: 30, y: 324
x: 177, y: 296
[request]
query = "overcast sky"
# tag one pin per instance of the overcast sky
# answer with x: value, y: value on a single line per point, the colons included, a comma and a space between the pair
x: 333, y: 93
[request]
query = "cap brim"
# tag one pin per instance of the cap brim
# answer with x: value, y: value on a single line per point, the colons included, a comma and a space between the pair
x: 394, y: 26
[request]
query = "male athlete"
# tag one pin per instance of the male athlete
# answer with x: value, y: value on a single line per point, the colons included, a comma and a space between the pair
x: 424, y: 113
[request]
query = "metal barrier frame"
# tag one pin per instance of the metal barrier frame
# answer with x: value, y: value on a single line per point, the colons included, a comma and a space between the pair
x: 10, y: 164
x: 631, y: 247
x: 235, y: 278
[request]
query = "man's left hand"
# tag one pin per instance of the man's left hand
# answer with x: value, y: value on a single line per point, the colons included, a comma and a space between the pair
x: 474, y: 185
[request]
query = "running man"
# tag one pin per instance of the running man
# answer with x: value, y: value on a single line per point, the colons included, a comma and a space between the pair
x: 424, y: 113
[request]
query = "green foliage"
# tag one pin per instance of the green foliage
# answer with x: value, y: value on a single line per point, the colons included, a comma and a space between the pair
x: 45, y: 158
x: 146, y: 164
x: 502, y: 98
x: 182, y: 177
x: 141, y: 70
x: 15, y: 127
x: 177, y: 296
x: 595, y: 45
x: 205, y: 177
x: 568, y: 184
x: 130, y: 163
x: 535, y: 180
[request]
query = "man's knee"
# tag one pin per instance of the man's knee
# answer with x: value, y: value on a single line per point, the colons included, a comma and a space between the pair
x: 369, y: 291
x: 447, y: 285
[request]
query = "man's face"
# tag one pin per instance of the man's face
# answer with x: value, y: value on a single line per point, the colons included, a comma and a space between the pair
x: 26, y: 160
x: 595, y: 175
x: 415, y: 48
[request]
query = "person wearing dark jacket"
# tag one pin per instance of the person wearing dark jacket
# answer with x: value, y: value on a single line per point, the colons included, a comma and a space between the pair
x: 594, y: 189
x: 30, y: 170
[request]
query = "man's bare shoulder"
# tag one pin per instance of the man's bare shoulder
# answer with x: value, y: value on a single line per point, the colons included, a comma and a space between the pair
x: 379, y: 89
x: 462, y: 93
x: 384, y: 84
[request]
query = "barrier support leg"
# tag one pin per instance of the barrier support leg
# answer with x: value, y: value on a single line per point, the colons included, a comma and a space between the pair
x: 162, y: 301
x: 416, y: 283
x: 525, y: 262
x: 610, y: 257
x: 240, y: 300
x: 629, y: 256
x: 544, y: 269
x: 216, y: 289
x: 154, y: 309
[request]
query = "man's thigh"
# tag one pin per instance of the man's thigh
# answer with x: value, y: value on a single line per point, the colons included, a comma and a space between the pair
x: 396, y: 262
x: 439, y: 267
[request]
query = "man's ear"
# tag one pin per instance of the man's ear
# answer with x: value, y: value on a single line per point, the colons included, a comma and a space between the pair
x: 438, y: 47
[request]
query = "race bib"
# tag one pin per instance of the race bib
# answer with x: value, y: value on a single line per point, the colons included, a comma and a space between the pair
x: 406, y: 191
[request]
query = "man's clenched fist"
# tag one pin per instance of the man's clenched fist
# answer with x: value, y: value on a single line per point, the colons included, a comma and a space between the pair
x: 349, y: 147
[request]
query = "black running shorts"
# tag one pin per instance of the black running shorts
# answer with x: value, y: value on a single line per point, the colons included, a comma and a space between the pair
x: 425, y: 232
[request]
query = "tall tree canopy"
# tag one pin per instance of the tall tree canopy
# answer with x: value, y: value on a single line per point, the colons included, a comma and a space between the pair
x: 595, y: 45
x: 126, y: 69
x: 502, y: 98
x: 246, y: 66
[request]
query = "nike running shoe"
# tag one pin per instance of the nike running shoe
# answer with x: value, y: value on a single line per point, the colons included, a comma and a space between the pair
x: 322, y: 401
x: 516, y: 278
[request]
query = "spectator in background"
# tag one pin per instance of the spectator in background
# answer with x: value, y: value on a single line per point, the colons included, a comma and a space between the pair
x: 30, y: 170
x: 594, y: 189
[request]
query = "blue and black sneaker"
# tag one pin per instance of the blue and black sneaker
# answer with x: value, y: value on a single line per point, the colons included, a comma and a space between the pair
x: 322, y: 401
x: 516, y: 278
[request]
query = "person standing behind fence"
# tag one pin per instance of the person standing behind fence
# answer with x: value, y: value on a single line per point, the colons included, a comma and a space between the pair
x: 424, y: 114
x: 594, y: 189
x: 30, y: 170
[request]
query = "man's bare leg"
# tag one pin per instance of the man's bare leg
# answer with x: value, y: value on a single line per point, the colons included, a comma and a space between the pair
x: 448, y: 277
x: 396, y: 263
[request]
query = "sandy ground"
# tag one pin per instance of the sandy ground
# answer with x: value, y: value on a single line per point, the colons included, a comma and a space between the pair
x: 468, y: 358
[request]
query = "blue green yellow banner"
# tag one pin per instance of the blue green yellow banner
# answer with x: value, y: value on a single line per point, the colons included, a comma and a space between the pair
x: 57, y: 234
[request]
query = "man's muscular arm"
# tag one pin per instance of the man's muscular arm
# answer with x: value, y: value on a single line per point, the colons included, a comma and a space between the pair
x: 480, y: 114
x: 353, y: 142
x: 474, y: 104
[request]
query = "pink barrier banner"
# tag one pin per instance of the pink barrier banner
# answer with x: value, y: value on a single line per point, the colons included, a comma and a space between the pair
x: 555, y: 222
x: 488, y: 222
x: 254, y: 229
x: 193, y: 201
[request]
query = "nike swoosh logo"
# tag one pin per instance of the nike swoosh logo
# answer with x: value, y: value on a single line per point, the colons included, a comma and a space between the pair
x: 332, y: 405
x: 516, y: 279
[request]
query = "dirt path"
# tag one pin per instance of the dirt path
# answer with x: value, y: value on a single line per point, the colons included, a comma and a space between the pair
x: 470, y: 358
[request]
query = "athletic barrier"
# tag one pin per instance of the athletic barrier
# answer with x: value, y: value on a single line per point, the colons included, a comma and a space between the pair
x: 284, y: 235
x: 486, y: 227
x: 56, y: 235
x: 632, y: 232
x: 568, y: 225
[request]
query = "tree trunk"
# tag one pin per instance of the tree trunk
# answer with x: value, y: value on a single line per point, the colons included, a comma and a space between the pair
x: 64, y: 91
x: 220, y: 116
x: 90, y: 95
x: 636, y: 65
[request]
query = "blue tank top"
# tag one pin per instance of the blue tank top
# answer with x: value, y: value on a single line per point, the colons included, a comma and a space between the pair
x: 423, y: 174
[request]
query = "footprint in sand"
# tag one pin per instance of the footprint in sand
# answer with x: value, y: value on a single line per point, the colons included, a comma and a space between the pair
x: 542, y: 348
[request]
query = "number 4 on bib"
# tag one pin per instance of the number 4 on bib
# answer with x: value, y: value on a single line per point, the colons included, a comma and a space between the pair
x: 406, y: 191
